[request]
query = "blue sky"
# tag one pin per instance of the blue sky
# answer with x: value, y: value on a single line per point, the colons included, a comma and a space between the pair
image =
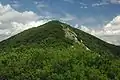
x: 98, y: 12
x: 100, y: 18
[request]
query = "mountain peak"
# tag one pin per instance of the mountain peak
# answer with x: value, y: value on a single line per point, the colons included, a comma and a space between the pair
x: 56, y: 51
x: 51, y: 32
x: 57, y: 33
x: 54, y: 21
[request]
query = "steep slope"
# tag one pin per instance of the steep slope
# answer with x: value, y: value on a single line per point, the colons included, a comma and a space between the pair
x: 54, y: 32
x: 94, y: 43
x: 57, y: 51
x: 51, y: 32
x: 97, y: 44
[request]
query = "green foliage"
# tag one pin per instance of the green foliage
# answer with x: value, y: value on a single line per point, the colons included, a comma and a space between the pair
x: 73, y: 63
x: 43, y: 53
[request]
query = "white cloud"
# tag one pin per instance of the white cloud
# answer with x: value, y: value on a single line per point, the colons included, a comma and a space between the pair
x: 99, y: 4
x: 13, y: 22
x: 76, y: 26
x: 68, y: 17
x: 5, y: 32
x: 84, y: 28
x: 18, y: 27
x: 112, y: 1
x: 70, y: 1
x: 109, y: 33
x: 115, y: 1
x: 83, y: 5
x: 40, y: 4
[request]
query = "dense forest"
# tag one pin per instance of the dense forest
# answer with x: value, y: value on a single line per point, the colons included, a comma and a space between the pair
x: 57, y: 51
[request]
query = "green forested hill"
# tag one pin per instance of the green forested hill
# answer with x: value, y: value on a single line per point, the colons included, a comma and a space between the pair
x: 56, y: 51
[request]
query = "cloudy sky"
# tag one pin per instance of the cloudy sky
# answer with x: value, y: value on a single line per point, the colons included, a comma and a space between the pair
x: 97, y: 17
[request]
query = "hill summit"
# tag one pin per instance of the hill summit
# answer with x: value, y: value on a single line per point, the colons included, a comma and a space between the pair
x: 57, y: 51
x: 56, y: 33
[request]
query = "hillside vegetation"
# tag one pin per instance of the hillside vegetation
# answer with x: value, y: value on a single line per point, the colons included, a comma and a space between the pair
x: 57, y: 51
